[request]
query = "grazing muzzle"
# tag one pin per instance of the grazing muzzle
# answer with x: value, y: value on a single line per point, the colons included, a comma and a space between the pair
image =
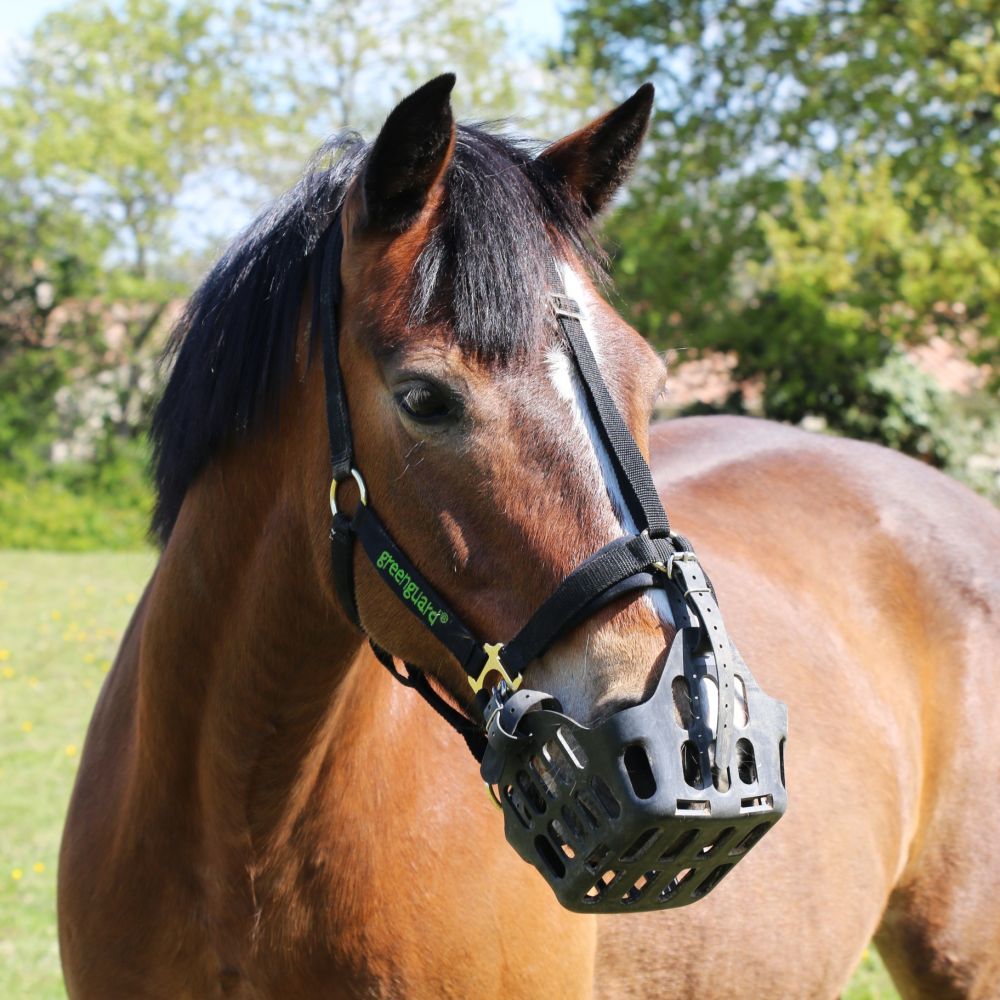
x: 651, y: 807
x: 633, y: 813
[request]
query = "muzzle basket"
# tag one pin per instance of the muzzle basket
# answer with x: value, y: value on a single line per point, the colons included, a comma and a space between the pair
x: 631, y: 815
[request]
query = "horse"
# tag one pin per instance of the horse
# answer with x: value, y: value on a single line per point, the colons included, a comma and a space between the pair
x: 261, y: 810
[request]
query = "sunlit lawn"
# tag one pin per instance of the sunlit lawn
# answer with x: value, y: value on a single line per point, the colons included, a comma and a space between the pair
x: 60, y: 619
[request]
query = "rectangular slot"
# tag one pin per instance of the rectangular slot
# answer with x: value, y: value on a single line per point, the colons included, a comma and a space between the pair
x: 696, y: 806
x: 756, y: 803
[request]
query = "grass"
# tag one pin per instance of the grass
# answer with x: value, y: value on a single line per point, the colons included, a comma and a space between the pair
x: 60, y: 619
x: 61, y: 616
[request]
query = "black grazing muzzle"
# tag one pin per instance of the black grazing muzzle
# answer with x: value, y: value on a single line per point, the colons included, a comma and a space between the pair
x: 651, y: 807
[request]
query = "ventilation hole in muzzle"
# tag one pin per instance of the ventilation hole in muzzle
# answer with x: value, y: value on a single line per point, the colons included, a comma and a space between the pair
x: 681, y: 691
x: 741, y: 708
x: 720, y: 841
x: 691, y: 764
x: 749, y: 840
x: 756, y: 803
x: 639, y: 771
x: 572, y: 822
x: 589, y: 808
x: 674, y: 885
x: 640, y: 887
x: 747, y: 761
x: 544, y: 773
x: 714, y: 878
x: 609, y: 878
x: 721, y: 779
x: 577, y: 755
x: 550, y: 857
x: 606, y: 797
x: 597, y: 855
x: 561, y: 839
x: 558, y: 764
x: 693, y: 806
x: 516, y: 800
x: 678, y: 847
x: 640, y: 845
x: 781, y: 760
x: 533, y: 797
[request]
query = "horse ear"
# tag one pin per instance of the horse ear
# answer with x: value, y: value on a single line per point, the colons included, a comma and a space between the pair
x: 410, y: 154
x: 596, y: 161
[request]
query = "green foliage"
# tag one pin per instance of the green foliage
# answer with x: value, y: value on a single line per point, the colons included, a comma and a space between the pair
x: 118, y: 105
x: 78, y: 507
x: 822, y: 177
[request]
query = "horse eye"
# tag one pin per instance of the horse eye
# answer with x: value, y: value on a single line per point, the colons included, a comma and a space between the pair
x: 425, y: 402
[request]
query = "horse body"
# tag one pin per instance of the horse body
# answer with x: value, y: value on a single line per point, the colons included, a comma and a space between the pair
x: 883, y: 699
x: 261, y: 811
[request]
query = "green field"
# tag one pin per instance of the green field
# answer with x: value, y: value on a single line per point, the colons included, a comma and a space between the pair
x: 60, y: 619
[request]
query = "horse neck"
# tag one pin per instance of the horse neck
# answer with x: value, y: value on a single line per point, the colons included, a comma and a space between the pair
x: 243, y: 640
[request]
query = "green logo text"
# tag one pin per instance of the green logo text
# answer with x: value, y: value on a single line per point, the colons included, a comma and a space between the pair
x: 409, y: 591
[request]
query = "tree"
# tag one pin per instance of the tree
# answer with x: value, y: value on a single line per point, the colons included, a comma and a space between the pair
x: 754, y: 96
x: 120, y: 106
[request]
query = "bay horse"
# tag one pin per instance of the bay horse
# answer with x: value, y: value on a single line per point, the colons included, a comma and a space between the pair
x: 262, y: 811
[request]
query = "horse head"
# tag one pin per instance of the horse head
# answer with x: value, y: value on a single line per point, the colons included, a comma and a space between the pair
x: 468, y: 419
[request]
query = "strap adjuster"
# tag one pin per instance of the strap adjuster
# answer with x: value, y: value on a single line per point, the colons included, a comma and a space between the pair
x: 567, y: 307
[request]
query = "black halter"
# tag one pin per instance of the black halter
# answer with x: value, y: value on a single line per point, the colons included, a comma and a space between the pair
x: 653, y: 557
x: 641, y: 811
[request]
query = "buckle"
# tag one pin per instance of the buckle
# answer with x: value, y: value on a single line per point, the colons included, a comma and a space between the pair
x: 501, y: 692
x: 567, y: 307
x: 493, y: 665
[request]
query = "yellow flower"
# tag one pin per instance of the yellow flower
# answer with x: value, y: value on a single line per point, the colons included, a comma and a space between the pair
x: 4, y: 654
x: 8, y: 672
x: 17, y: 874
x: 56, y: 615
x: 89, y: 657
x: 32, y: 682
x: 70, y: 750
x: 3, y: 584
x: 26, y: 727
x: 38, y: 867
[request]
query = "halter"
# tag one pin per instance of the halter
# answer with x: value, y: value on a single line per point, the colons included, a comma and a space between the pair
x: 643, y: 811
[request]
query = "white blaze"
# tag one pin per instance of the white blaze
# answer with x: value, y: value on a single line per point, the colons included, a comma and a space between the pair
x: 568, y: 384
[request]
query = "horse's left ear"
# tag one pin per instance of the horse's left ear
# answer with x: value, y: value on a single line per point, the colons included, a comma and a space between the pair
x: 409, y: 155
x: 596, y: 160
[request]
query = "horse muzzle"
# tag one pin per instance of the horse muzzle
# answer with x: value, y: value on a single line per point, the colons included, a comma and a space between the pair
x: 635, y: 813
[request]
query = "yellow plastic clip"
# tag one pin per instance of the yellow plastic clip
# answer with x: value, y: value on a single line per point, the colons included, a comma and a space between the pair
x: 493, y: 666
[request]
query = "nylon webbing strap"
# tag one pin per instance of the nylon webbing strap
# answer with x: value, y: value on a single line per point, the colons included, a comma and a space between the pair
x: 621, y: 560
x: 633, y: 473
x: 337, y: 417
x: 415, y: 593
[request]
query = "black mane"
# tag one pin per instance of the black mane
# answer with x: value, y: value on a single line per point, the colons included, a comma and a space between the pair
x: 482, y: 269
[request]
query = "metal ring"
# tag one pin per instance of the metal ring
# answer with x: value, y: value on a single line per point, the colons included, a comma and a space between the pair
x: 361, y: 489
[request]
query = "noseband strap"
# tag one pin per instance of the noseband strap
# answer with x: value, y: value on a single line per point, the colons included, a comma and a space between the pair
x: 653, y: 557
